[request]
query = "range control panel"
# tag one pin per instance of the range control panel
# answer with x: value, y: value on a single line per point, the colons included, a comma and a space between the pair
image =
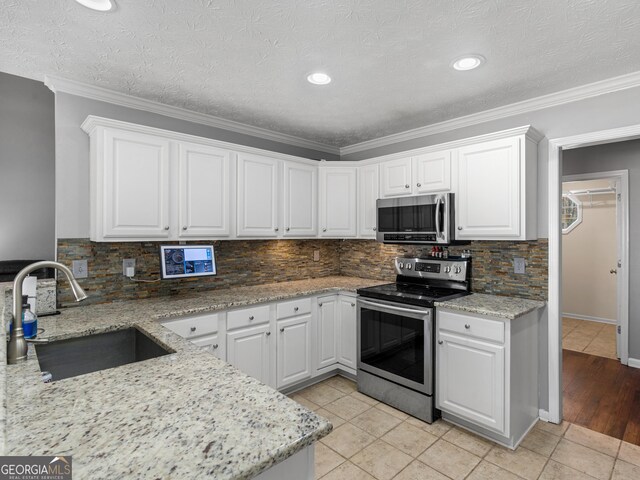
x: 441, y: 268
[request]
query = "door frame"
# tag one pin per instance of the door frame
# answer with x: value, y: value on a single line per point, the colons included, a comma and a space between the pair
x: 556, y: 146
x: 622, y: 239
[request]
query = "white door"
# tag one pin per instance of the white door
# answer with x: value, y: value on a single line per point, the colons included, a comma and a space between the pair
x: 368, y: 187
x: 136, y: 185
x: 248, y: 349
x: 300, y: 200
x: 488, y: 201
x: 395, y: 178
x: 327, y: 340
x: 257, y: 196
x: 432, y: 172
x: 203, y: 191
x: 338, y: 209
x: 471, y: 380
x: 347, y: 341
x: 294, y: 350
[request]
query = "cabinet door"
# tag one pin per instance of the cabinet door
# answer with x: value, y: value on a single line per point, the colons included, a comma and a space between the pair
x: 338, y: 202
x: 136, y: 185
x: 471, y: 380
x: 395, y: 178
x: 257, y: 196
x: 327, y: 336
x: 432, y: 172
x: 300, y: 200
x: 368, y: 183
x: 488, y: 201
x: 294, y: 350
x: 203, y: 191
x: 347, y: 343
x: 211, y: 343
x: 248, y: 349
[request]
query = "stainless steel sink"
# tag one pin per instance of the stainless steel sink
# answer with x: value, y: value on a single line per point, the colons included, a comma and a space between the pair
x: 77, y: 356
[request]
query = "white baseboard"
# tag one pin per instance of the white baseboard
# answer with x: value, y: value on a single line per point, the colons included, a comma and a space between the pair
x: 577, y: 316
x: 634, y: 362
x: 544, y: 415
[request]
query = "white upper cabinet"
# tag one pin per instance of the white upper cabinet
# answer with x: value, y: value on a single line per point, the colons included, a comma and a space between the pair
x: 203, y: 191
x: 368, y: 187
x: 396, y: 178
x: 300, y: 200
x: 432, y: 172
x: 130, y: 186
x: 257, y: 201
x: 338, y: 210
x: 497, y: 190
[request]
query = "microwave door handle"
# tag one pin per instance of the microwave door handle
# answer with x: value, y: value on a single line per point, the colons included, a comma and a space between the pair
x: 438, y: 206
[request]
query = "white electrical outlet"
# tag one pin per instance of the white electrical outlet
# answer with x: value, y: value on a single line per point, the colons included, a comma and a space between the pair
x: 129, y: 263
x: 79, y: 268
x: 316, y: 255
x: 519, y: 265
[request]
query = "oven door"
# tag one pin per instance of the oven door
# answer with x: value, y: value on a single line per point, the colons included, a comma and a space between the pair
x: 395, y: 342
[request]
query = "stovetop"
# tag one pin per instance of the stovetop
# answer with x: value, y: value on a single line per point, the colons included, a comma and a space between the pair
x: 412, y: 294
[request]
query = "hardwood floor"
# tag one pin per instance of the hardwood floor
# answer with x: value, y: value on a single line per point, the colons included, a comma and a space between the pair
x: 601, y: 394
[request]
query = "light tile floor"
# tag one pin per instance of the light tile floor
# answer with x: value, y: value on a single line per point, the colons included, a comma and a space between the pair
x: 593, y: 338
x: 374, y: 441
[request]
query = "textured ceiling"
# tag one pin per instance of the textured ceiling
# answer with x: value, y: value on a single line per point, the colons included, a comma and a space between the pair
x: 389, y: 59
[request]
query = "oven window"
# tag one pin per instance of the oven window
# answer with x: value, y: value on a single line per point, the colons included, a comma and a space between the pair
x: 412, y: 218
x: 393, y: 343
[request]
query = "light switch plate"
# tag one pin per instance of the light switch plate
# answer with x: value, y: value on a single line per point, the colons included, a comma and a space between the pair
x: 316, y: 255
x: 128, y: 262
x: 519, y: 265
x: 79, y: 268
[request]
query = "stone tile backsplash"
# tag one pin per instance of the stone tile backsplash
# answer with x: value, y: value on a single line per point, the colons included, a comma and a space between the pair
x: 254, y: 262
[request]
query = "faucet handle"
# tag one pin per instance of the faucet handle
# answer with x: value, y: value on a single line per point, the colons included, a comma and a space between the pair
x: 37, y: 341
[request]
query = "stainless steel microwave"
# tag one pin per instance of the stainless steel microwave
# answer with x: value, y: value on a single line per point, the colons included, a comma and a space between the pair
x: 425, y: 219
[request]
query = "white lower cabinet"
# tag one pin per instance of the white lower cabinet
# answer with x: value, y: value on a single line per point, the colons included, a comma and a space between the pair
x: 293, y: 349
x: 347, y: 341
x: 327, y: 332
x: 201, y: 330
x: 249, y: 349
x: 487, y: 373
x: 212, y: 344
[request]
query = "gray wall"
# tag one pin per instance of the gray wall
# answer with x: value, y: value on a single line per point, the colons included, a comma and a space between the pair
x: 72, y: 152
x: 618, y: 156
x: 27, y: 169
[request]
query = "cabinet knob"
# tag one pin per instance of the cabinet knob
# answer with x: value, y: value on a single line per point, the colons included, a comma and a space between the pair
x: 324, y: 229
x: 440, y: 342
x: 251, y: 317
x: 215, y: 345
x: 460, y: 228
x: 184, y: 228
x: 319, y: 304
x: 406, y: 186
x: 418, y: 184
x: 295, y: 309
x: 193, y: 329
x: 353, y: 304
x: 282, y: 330
x: 268, y: 333
x: 467, y: 326
x: 375, y: 228
x: 276, y: 229
x: 166, y: 228
x: 287, y: 229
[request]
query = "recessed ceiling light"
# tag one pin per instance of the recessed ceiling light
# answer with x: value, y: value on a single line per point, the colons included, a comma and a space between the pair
x: 468, y: 62
x: 98, y: 5
x: 319, y: 78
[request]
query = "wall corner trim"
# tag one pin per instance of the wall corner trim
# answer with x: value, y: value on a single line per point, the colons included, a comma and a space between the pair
x: 575, y: 94
x: 73, y: 87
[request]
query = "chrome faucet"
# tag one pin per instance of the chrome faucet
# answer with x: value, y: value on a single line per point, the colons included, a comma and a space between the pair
x: 17, y: 348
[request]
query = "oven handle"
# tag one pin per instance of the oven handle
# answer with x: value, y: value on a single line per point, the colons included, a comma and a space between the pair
x: 393, y: 307
x: 438, y: 206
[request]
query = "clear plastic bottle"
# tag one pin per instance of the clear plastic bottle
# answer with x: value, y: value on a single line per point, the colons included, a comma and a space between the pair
x: 29, y: 321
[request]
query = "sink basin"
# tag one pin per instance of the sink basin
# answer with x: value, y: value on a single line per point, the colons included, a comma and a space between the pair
x: 77, y: 356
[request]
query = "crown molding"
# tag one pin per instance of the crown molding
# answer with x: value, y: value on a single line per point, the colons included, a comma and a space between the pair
x: 575, y: 94
x: 73, y: 87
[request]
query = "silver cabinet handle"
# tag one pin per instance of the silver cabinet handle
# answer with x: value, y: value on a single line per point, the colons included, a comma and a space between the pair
x: 282, y: 330
x: 353, y: 304
x: 184, y: 228
x: 613, y: 271
x: 375, y: 228
x: 407, y: 186
x: 215, y: 345
x: 295, y: 309
x: 418, y: 184
x: 320, y: 304
x: 268, y: 333
x: 324, y: 229
x: 166, y: 228
x: 467, y: 326
x: 287, y: 229
x: 459, y: 228
x: 440, y: 342
x: 193, y: 329
x: 251, y: 317
x: 276, y: 229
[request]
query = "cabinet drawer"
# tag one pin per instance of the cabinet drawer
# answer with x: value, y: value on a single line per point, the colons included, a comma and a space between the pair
x: 294, y: 307
x: 193, y: 326
x: 472, y: 326
x: 247, y: 317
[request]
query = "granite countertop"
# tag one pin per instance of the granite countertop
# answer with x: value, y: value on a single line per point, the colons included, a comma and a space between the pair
x: 183, y: 415
x: 493, y: 305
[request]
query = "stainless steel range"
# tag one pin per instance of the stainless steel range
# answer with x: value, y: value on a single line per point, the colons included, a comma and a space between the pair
x: 395, y: 331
